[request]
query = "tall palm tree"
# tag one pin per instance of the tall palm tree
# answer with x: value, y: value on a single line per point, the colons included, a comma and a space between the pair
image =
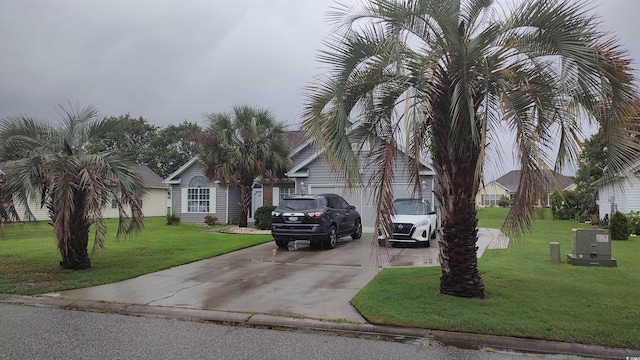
x: 48, y: 166
x: 240, y: 147
x: 442, y: 76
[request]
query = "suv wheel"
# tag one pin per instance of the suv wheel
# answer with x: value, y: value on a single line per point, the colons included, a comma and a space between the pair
x: 357, y: 231
x: 332, y: 238
x: 282, y: 243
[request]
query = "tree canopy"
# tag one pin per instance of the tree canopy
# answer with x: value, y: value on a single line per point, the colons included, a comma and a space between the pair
x: 49, y: 166
x: 239, y: 147
x: 439, y: 77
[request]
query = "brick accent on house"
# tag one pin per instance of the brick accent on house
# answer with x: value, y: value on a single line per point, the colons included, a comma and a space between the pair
x: 267, y: 195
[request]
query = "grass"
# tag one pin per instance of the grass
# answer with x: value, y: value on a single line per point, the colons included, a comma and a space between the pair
x: 527, y: 295
x: 29, y: 257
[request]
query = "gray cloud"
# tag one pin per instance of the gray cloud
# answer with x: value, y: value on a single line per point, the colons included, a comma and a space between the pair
x: 170, y: 61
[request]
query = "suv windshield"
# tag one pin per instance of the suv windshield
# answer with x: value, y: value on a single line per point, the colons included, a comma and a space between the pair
x: 298, y: 204
x: 411, y: 207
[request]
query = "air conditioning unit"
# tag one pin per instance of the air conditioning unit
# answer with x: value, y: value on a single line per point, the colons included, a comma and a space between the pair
x: 591, y: 247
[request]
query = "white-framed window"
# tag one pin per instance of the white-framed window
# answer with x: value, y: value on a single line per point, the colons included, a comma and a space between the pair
x: 286, y: 191
x: 491, y: 199
x: 198, y: 197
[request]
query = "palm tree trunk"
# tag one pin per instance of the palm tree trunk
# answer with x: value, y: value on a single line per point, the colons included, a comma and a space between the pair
x: 73, y: 250
x: 76, y: 256
x: 246, y: 203
x: 458, y: 257
x: 455, y: 160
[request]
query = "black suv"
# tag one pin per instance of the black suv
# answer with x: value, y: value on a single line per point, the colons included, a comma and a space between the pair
x: 321, y: 219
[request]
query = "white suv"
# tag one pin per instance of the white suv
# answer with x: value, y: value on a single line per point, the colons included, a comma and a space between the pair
x: 414, y: 222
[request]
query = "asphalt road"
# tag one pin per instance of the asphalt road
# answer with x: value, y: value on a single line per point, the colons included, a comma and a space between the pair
x: 28, y: 332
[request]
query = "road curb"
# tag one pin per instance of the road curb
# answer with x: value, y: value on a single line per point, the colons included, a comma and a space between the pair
x: 448, y: 338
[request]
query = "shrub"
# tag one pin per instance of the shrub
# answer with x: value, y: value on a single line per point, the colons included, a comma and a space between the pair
x: 262, y: 217
x: 210, y: 220
x: 173, y: 220
x: 634, y: 222
x: 619, y: 226
x: 504, y: 201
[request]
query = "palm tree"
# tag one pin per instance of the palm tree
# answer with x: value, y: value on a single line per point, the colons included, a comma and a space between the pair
x: 48, y: 166
x: 240, y: 147
x: 445, y: 75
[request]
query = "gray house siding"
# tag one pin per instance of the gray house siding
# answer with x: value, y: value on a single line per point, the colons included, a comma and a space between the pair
x: 235, y: 200
x: 322, y: 178
x: 312, y: 174
x: 303, y: 154
x: 223, y: 193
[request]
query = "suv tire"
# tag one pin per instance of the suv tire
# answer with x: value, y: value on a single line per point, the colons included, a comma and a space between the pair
x: 332, y: 238
x: 357, y: 231
x: 283, y: 244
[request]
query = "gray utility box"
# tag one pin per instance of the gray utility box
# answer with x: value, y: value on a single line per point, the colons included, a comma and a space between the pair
x: 591, y: 247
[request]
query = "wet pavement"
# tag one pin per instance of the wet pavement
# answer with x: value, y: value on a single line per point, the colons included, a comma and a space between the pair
x: 300, y: 282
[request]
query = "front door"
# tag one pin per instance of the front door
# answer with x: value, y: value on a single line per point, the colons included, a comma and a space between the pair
x: 256, y: 202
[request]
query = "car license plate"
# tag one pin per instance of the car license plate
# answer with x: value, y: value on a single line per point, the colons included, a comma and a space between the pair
x: 293, y: 218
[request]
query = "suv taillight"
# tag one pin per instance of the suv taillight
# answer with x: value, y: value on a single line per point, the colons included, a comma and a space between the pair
x: 315, y: 214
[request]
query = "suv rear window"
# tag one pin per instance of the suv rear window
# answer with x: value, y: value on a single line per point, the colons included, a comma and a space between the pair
x: 411, y: 207
x: 298, y: 204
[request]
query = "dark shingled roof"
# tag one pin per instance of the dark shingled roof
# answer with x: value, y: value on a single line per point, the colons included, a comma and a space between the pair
x: 296, y: 138
x: 149, y: 178
x: 511, y: 180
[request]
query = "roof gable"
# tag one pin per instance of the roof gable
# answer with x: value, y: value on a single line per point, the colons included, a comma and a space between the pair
x: 511, y: 181
x: 300, y: 167
x: 174, y: 178
x: 149, y: 178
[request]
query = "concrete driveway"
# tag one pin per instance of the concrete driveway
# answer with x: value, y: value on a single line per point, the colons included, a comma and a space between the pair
x: 264, y: 279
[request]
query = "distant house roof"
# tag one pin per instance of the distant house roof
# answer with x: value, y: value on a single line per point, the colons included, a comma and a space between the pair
x: 296, y: 139
x: 511, y: 180
x: 149, y: 178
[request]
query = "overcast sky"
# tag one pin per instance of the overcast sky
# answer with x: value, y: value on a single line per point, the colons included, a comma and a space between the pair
x: 170, y: 61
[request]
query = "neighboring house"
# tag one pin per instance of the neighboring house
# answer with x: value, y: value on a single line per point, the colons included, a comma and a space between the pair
x: 194, y: 196
x: 620, y: 193
x: 154, y: 203
x: 507, y: 185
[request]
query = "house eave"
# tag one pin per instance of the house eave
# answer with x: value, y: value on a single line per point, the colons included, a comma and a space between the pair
x: 298, y: 174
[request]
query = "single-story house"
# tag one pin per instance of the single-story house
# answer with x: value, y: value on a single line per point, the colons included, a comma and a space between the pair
x: 154, y: 203
x: 621, y: 192
x: 193, y: 196
x: 507, y: 185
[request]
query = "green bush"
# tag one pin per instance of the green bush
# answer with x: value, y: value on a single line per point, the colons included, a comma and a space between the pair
x: 619, y: 226
x: 173, y: 220
x: 504, y: 201
x: 210, y: 220
x: 262, y: 217
x: 634, y: 222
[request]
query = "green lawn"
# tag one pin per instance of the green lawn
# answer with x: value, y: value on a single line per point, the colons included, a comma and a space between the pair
x: 29, y: 257
x: 528, y: 296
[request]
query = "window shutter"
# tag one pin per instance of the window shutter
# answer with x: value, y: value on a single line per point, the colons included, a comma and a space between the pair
x: 183, y: 200
x: 212, y: 200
